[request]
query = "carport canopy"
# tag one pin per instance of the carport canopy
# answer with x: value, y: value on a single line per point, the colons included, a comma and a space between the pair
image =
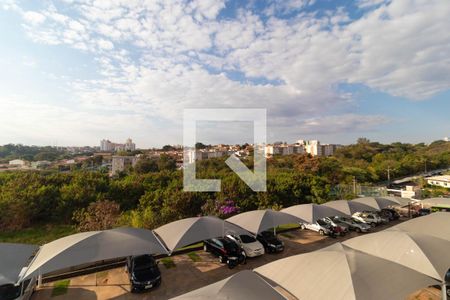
x: 437, y: 202
x: 87, y: 247
x: 436, y: 224
x: 376, y: 203
x: 256, y: 221
x: 14, y: 257
x: 421, y: 252
x: 245, y: 285
x: 341, y: 273
x: 312, y: 212
x: 347, y: 207
x: 187, y: 231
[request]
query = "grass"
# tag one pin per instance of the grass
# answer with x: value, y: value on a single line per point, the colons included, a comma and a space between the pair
x: 37, y: 235
x: 168, y: 263
x: 287, y: 235
x: 193, y: 246
x: 194, y: 257
x: 60, y: 287
x: 287, y: 227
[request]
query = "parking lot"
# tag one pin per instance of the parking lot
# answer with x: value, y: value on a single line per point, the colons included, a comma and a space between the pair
x: 192, y: 271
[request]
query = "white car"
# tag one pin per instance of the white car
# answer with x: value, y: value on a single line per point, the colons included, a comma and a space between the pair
x: 367, y: 217
x: 251, y: 246
x: 319, y: 226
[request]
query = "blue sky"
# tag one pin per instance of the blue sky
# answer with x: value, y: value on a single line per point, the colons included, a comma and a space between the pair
x: 73, y: 72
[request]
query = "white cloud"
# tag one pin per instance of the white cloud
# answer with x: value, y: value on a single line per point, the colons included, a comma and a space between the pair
x: 34, y: 18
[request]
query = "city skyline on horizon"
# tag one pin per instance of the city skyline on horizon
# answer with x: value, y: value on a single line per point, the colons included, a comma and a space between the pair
x: 74, y: 71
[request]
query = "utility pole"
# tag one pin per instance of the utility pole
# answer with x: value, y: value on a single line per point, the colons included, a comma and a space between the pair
x: 354, y: 185
x: 389, y: 175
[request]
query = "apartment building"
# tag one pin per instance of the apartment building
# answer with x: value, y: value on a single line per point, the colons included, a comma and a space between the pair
x: 108, y: 146
x: 122, y: 163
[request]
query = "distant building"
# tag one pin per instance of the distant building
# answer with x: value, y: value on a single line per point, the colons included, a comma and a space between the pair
x: 129, y: 145
x: 122, y: 163
x: 206, y: 154
x: 17, y: 163
x: 314, y: 148
x: 443, y: 181
x: 41, y: 164
x: 284, y: 149
x: 108, y: 146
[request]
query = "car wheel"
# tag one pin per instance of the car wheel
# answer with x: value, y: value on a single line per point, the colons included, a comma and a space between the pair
x: 448, y: 291
x: 321, y: 232
x: 358, y: 230
x: 303, y: 227
x: 221, y: 259
x: 373, y: 224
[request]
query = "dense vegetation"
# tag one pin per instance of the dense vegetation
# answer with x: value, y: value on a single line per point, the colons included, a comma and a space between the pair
x: 33, y: 153
x: 152, y: 194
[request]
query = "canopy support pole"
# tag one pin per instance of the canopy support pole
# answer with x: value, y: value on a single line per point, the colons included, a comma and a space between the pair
x: 444, y: 290
x: 39, y: 284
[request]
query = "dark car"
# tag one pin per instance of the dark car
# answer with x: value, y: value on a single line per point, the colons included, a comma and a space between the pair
x: 424, y: 212
x: 144, y: 273
x: 390, y: 213
x: 226, y: 250
x: 270, y: 242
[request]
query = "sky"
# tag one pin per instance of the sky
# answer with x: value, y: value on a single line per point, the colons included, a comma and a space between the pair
x: 73, y: 72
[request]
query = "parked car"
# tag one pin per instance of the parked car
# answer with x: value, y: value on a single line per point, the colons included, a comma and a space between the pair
x: 423, y: 212
x: 144, y: 273
x: 251, y: 246
x: 354, y: 224
x: 384, y: 219
x: 227, y: 250
x: 390, y: 213
x: 21, y: 291
x: 367, y: 217
x: 319, y: 226
x: 270, y: 242
x: 343, y: 228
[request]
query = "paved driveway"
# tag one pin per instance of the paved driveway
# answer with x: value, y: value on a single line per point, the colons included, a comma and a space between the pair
x: 186, y: 275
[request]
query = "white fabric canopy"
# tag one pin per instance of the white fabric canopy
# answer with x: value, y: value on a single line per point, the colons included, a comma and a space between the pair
x: 341, y: 273
x: 245, y: 285
x: 14, y: 257
x: 436, y: 224
x: 424, y: 253
x: 86, y: 247
x: 312, y: 212
x: 191, y: 230
x: 347, y: 207
x: 401, y: 201
x: 376, y: 203
x: 256, y: 221
x: 437, y: 202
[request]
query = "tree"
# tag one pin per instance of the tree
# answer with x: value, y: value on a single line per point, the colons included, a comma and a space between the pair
x: 100, y: 215
x: 146, y: 165
x: 199, y: 146
x: 166, y: 163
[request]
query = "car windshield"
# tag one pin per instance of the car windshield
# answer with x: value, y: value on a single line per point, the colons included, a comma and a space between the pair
x: 267, y: 234
x: 321, y: 222
x: 247, y: 239
x: 9, y: 292
x: 143, y: 263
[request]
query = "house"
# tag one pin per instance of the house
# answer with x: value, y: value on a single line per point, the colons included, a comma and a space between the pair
x: 17, y: 163
x: 443, y: 181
